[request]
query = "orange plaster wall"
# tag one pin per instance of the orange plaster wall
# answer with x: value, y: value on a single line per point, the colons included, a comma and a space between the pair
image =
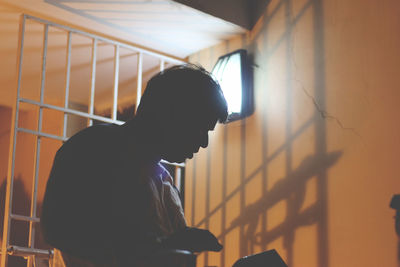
x: 312, y: 171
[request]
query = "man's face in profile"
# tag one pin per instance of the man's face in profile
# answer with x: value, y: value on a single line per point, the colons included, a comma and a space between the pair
x: 186, y: 135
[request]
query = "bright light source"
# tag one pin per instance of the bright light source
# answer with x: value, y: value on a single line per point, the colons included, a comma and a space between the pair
x: 231, y: 71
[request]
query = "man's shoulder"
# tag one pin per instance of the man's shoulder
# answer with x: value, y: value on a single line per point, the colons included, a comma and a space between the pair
x: 103, y: 129
x: 100, y: 136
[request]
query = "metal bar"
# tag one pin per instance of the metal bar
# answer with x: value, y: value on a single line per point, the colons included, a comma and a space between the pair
x: 71, y: 111
x: 26, y: 252
x: 139, y: 79
x: 67, y: 80
x: 31, y: 241
x: 12, y: 149
x: 162, y: 64
x: 44, y: 59
x: 93, y: 81
x: 173, y: 163
x: 41, y: 134
x: 116, y: 79
x: 24, y: 218
x: 128, y: 46
x: 178, y: 177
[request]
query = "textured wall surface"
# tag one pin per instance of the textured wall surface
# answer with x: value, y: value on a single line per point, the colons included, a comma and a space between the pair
x: 312, y: 171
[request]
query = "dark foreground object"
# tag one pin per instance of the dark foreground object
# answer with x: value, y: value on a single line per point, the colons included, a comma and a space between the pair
x: 268, y: 258
x: 171, y: 258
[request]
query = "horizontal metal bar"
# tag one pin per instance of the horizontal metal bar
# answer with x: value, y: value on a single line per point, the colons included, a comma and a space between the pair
x: 26, y: 252
x: 182, y: 165
x: 52, y: 136
x: 167, y: 58
x: 71, y: 111
x: 79, y: 114
x: 24, y: 218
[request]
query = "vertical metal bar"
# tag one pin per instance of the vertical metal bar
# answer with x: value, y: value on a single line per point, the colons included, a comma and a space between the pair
x: 178, y: 177
x: 162, y: 64
x: 67, y: 78
x: 12, y: 149
x: 116, y: 79
x: 31, y: 242
x: 139, y: 79
x: 92, y: 86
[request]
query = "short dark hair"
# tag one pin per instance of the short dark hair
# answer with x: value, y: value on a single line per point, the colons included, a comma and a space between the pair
x: 184, y: 87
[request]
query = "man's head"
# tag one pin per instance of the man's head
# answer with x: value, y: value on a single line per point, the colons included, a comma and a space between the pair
x: 184, y: 102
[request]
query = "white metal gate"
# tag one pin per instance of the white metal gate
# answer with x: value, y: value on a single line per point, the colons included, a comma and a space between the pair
x: 32, y: 251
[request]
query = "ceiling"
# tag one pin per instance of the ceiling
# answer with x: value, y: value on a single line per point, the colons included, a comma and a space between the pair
x: 161, y: 25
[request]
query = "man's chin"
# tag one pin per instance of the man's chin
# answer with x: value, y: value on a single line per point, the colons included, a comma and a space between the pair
x: 179, y: 158
x: 175, y: 159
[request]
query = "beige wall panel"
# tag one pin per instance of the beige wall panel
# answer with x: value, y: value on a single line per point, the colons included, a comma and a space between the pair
x: 312, y: 171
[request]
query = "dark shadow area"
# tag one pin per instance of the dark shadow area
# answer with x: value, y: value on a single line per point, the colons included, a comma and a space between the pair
x: 267, y: 258
x: 256, y: 10
x: 291, y: 188
x: 240, y: 12
x: 128, y: 113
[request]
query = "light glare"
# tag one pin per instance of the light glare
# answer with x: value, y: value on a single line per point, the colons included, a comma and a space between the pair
x: 228, y: 73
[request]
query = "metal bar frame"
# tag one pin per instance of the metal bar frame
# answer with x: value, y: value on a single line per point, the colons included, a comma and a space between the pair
x: 139, y: 79
x: 107, y: 40
x: 116, y: 79
x: 31, y: 251
x: 162, y: 64
x: 93, y: 80
x: 67, y: 78
x: 71, y: 111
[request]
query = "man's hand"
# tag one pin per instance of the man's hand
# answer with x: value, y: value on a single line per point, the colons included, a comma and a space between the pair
x: 193, y: 239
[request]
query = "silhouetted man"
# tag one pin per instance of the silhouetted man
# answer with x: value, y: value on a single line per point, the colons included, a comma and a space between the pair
x: 108, y: 201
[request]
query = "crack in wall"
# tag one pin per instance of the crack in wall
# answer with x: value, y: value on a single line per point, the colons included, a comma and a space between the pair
x: 325, y: 115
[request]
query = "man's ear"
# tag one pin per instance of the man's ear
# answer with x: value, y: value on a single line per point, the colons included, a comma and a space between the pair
x: 173, y: 115
x: 165, y: 123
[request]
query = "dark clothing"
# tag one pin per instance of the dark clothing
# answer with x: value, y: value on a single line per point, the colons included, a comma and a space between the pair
x: 98, y: 204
